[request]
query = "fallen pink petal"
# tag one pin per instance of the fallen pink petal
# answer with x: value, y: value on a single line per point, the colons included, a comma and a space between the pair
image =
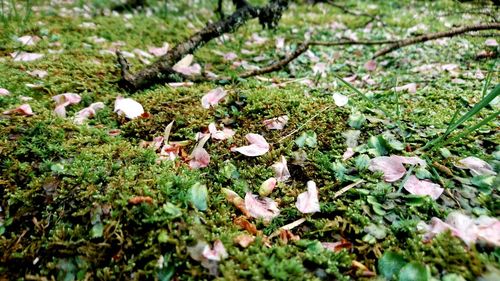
x: 223, y: 134
x: 423, y: 187
x: 470, y: 230
x: 4, y: 92
x: 38, y: 73
x: 348, y: 153
x: 277, y: 123
x: 410, y: 88
x: 281, y: 170
x: 88, y: 112
x: 159, y: 51
x: 370, y: 65
x: 267, y: 187
x: 199, y: 158
x: 264, y: 208
x: 23, y: 110
x: 392, y: 166
x: 25, y: 56
x: 308, y: 202
x: 64, y: 100
x: 258, y: 146
x: 213, y: 97
x: 476, y: 166
x: 217, y: 253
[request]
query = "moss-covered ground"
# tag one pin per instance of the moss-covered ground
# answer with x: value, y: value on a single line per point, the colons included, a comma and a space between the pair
x: 65, y: 189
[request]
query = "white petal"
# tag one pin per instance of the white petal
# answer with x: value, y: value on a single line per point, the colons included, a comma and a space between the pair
x: 128, y: 107
x: 340, y: 100
x: 308, y: 202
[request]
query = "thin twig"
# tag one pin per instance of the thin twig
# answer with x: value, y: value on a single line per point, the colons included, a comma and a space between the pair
x: 346, y: 188
x: 437, y: 35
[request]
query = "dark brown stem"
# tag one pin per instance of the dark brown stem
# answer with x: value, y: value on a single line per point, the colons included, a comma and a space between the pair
x: 161, y: 70
x: 279, y: 64
x: 437, y: 35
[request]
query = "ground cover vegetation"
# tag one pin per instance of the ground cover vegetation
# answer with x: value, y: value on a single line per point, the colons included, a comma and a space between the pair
x: 317, y: 142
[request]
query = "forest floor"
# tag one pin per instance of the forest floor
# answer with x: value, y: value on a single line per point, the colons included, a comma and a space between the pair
x: 92, y: 199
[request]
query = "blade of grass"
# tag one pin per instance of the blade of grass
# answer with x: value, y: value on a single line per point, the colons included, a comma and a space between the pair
x: 477, y: 107
x: 470, y: 129
x: 348, y: 85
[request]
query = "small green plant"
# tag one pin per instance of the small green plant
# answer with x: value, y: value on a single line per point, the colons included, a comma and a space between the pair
x: 443, y: 139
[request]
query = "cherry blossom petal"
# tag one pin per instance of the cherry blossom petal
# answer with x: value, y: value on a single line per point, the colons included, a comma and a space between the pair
x: 258, y: 146
x: 370, y: 65
x: 25, y: 56
x: 277, y: 123
x: 413, y: 160
x: 281, y: 170
x: 4, y: 92
x: 348, y: 153
x: 28, y: 40
x: 223, y: 134
x: 64, y: 100
x: 244, y: 240
x: 410, y: 88
x: 308, y: 202
x: 476, y: 166
x: 24, y: 110
x: 184, y: 66
x: 392, y: 168
x: 340, y: 100
x: 264, y: 208
x: 217, y: 253
x: 200, y: 158
x: 491, y: 42
x: 38, y: 73
x: 159, y: 51
x: 128, y: 107
x: 423, y: 187
x: 87, y: 112
x: 213, y: 97
x: 267, y: 187
x: 468, y: 229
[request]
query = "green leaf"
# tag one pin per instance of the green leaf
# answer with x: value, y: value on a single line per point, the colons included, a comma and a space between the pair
x: 379, y: 145
x: 356, y: 120
x: 362, y: 162
x: 97, y: 230
x: 390, y: 264
x: 307, y: 139
x: 198, y: 195
x: 484, y: 182
x: 413, y: 271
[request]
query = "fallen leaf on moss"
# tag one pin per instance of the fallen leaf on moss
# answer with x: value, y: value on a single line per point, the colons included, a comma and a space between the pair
x: 140, y: 199
x: 244, y: 240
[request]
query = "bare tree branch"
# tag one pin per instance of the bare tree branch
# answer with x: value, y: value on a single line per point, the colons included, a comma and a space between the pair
x: 437, y: 35
x: 160, y: 70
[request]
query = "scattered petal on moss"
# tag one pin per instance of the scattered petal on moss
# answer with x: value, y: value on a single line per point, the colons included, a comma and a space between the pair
x: 128, y: 107
x: 392, y: 166
x: 217, y: 253
x: 223, y: 134
x: 24, y: 110
x: 277, y: 123
x: 476, y: 166
x: 264, y: 208
x: 258, y: 146
x: 25, y: 56
x: 308, y: 202
x: 87, y: 112
x: 4, y: 92
x: 200, y: 158
x: 340, y: 100
x: 213, y: 97
x: 244, y: 240
x: 64, y: 100
x: 281, y: 170
x: 267, y: 187
x: 423, y: 187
